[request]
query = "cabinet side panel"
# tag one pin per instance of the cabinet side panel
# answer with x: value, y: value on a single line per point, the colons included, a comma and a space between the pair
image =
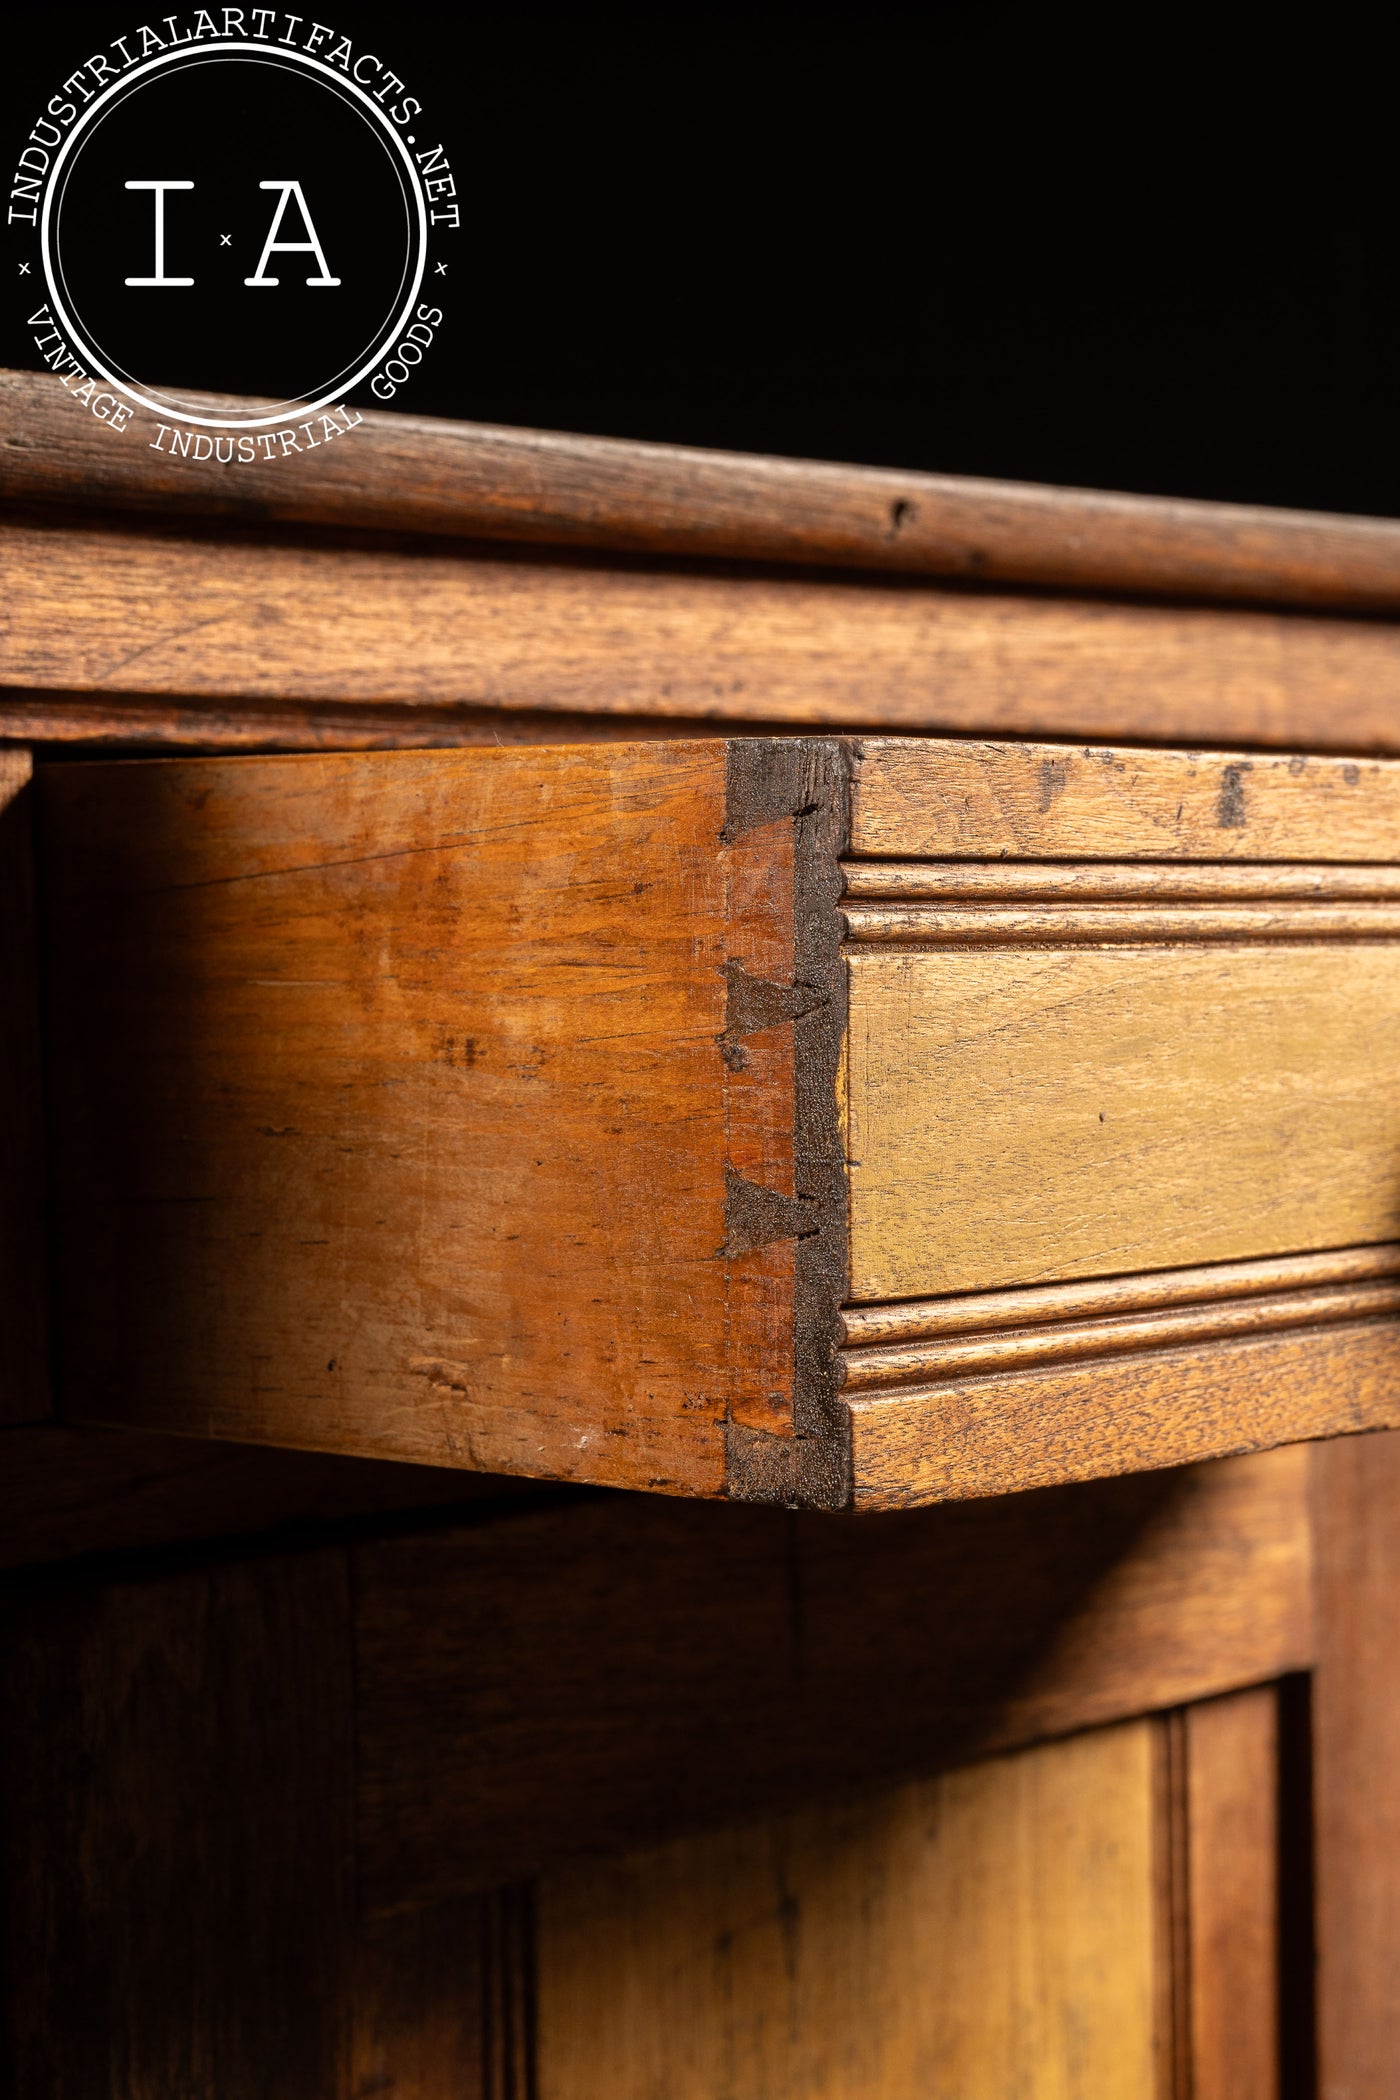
x: 389, y: 1107
x: 176, y: 1766
x: 24, y: 1383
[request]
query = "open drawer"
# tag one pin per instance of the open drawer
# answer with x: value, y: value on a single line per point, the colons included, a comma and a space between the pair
x: 803, y: 1119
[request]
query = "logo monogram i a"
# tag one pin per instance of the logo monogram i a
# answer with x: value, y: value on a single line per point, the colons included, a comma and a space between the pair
x: 162, y: 280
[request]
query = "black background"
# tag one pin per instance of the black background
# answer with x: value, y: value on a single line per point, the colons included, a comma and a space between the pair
x: 1148, y: 252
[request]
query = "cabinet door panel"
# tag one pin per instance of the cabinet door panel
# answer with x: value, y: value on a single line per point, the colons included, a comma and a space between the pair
x: 994, y: 1931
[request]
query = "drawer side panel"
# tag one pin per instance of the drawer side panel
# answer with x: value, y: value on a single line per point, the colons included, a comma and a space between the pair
x: 390, y: 1105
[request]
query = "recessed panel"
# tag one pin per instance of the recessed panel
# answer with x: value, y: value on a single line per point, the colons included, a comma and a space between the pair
x: 1021, y: 1115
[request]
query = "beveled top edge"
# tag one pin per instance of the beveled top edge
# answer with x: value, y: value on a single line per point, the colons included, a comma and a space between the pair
x: 408, y: 474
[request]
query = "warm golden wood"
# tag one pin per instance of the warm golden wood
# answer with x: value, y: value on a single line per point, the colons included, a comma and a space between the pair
x: 870, y: 1326
x: 987, y: 1933
x: 998, y: 1432
x: 1063, y: 1341
x: 154, y: 725
x: 569, y: 1198
x: 209, y: 621
x: 406, y: 1133
x: 1022, y: 1115
x: 985, y: 801
x: 476, y: 1108
x: 1164, y: 883
x: 1232, y: 1763
x: 1121, y: 925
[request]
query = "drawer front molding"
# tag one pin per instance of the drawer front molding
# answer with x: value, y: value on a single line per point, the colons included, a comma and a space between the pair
x: 918, y: 1344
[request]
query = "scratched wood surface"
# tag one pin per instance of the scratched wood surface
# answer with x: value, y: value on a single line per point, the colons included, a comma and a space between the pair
x: 406, y: 1133
x: 1020, y: 1115
x: 213, y: 617
x: 428, y: 475
x: 992, y: 801
x: 989, y: 1932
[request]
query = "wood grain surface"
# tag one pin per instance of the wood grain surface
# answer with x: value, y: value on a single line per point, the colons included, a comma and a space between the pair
x: 67, y: 1492
x: 209, y: 618
x: 176, y: 1831
x: 1232, y: 1785
x: 640, y: 1666
x: 410, y: 474
x: 872, y: 1328
x: 759, y: 1055
x: 24, y: 1341
x: 1001, y: 1432
x: 1356, y: 1746
x: 1115, y: 925
x: 179, y: 1910
x: 1215, y: 1593
x: 470, y: 1108
x: 1018, y: 1115
x: 601, y: 980
x: 996, y: 801
x: 154, y: 724
x: 440, y: 2003
x: 406, y: 1135
x: 1162, y: 884
x: 247, y: 1794
x: 985, y: 1933
x: 917, y: 1364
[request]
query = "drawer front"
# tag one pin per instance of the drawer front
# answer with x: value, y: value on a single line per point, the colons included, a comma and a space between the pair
x: 1024, y: 1114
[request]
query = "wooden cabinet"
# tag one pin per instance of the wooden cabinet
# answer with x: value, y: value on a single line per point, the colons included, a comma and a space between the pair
x: 542, y: 972
x: 628, y: 1794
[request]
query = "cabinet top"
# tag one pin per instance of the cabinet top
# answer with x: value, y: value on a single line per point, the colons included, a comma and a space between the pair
x: 408, y: 474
